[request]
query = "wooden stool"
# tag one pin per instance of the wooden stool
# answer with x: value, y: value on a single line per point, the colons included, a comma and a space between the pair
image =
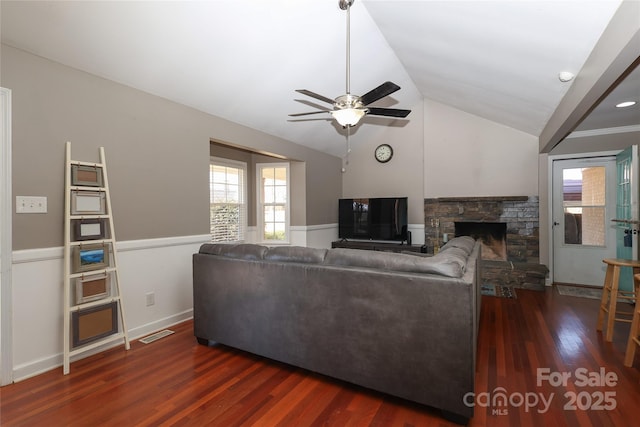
x: 634, y: 333
x: 610, y: 294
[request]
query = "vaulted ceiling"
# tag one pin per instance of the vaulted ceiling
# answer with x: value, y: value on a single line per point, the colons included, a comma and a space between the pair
x: 243, y: 60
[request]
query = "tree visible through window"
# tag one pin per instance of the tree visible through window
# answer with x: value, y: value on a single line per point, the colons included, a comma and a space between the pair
x: 228, y: 209
x: 274, y: 201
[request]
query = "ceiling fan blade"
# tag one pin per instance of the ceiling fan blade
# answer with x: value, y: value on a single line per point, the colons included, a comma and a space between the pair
x: 315, y: 95
x: 312, y: 104
x: 389, y: 112
x: 386, y: 88
x: 306, y: 114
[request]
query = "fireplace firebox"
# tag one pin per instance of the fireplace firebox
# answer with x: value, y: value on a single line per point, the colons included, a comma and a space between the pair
x: 493, y: 236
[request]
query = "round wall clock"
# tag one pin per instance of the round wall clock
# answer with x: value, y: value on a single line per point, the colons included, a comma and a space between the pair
x: 384, y: 153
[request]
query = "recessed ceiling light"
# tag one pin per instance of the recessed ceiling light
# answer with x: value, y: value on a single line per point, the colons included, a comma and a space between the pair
x: 626, y: 104
x: 566, y: 76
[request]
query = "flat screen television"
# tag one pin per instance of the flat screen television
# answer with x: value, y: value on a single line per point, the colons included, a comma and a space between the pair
x: 380, y: 218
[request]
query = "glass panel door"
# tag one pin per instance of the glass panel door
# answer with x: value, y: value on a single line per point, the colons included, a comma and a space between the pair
x: 584, y: 196
x: 627, y: 209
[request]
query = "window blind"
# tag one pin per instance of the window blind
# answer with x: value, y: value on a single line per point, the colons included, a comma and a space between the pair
x: 228, y: 207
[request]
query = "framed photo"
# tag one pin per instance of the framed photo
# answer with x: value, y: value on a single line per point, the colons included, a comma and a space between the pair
x: 86, y: 176
x: 89, y: 257
x: 91, y: 288
x: 89, y: 229
x: 88, y: 202
x: 93, y: 323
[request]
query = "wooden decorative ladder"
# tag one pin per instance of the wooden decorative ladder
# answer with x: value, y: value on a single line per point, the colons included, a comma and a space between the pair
x: 93, y: 309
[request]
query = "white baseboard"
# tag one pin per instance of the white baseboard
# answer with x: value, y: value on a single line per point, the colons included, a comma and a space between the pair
x: 160, y: 324
x: 37, y: 367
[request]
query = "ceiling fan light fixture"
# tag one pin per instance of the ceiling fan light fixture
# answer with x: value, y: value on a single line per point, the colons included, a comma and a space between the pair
x: 348, y: 116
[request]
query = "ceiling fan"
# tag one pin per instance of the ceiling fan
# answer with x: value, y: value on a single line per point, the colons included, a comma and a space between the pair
x: 348, y: 109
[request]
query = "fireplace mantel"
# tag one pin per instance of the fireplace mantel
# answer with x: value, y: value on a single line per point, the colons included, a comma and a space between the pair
x: 482, y: 199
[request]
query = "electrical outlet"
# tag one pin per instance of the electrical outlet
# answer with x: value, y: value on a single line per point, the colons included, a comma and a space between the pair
x: 31, y: 204
x: 151, y: 298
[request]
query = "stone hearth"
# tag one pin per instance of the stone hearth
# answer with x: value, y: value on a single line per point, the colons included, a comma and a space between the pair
x: 522, y: 266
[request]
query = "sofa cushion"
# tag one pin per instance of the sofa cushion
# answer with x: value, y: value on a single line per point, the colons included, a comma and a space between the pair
x: 211, y: 248
x: 296, y: 254
x: 463, y: 242
x: 445, y: 266
x: 243, y: 251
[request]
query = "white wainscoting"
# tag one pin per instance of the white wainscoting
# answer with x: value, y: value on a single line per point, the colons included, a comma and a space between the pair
x: 417, y: 233
x: 321, y: 236
x: 161, y: 266
x: 314, y: 236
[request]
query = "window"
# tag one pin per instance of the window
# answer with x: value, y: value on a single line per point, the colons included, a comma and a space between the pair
x: 584, y: 200
x: 273, y: 202
x: 228, y: 207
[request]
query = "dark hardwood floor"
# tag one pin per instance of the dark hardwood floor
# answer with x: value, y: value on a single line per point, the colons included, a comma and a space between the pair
x: 175, y: 381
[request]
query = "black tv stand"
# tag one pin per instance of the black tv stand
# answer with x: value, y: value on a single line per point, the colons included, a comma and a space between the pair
x: 375, y: 246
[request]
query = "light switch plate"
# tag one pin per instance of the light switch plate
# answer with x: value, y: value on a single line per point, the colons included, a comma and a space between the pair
x: 31, y: 204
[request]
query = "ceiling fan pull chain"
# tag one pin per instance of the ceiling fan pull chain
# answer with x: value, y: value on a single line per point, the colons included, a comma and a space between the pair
x: 348, y: 151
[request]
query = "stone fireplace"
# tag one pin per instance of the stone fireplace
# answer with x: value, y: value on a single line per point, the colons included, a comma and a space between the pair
x: 507, y: 226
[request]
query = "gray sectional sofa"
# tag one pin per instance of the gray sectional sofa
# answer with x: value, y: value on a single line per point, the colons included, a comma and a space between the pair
x: 401, y: 324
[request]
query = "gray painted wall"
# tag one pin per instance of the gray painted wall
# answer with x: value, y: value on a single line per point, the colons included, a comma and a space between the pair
x: 157, y: 153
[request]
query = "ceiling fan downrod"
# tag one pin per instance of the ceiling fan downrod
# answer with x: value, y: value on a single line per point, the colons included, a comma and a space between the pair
x: 346, y: 5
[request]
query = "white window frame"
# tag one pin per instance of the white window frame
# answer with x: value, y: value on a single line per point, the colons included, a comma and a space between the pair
x: 219, y: 161
x: 260, y: 204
